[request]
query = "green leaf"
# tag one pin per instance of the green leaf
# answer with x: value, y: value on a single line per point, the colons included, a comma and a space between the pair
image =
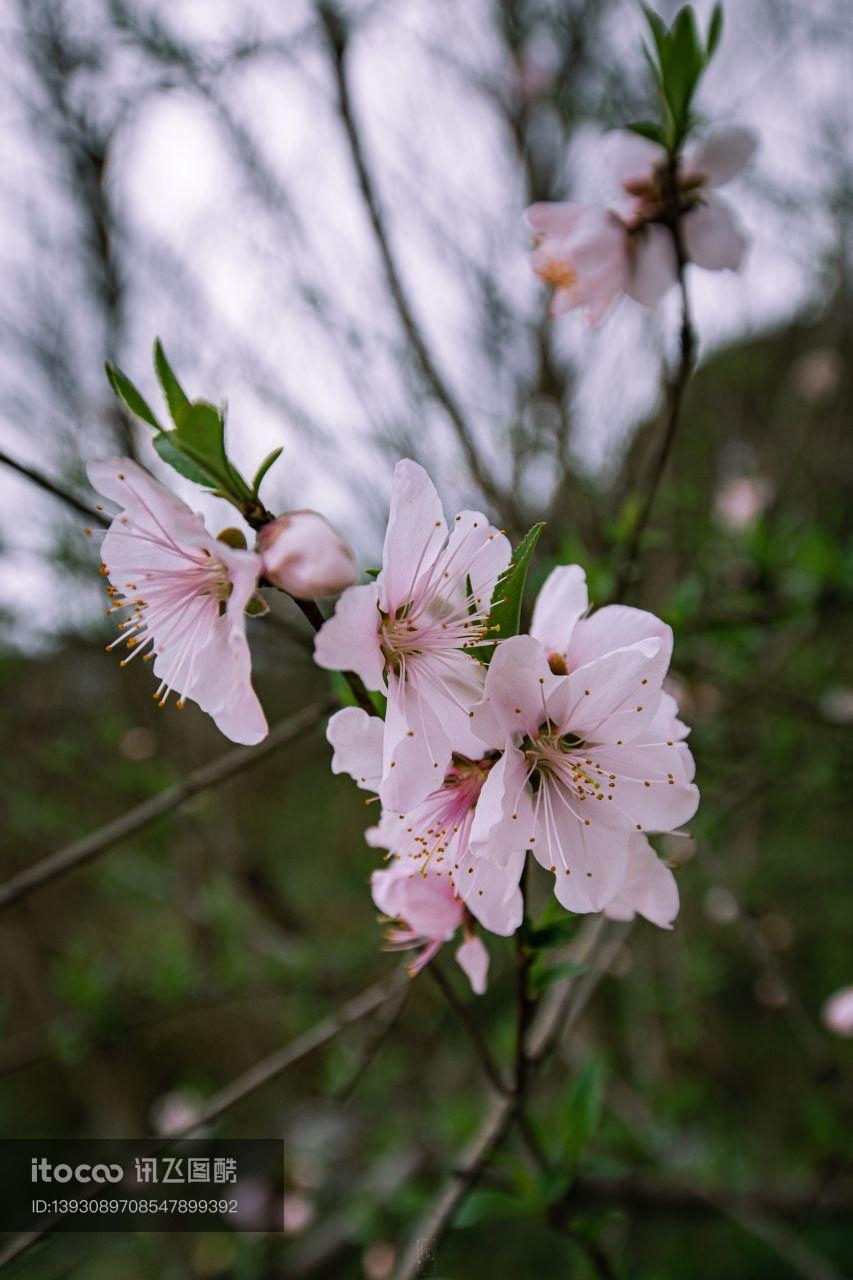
x: 682, y: 66
x: 200, y: 435
x: 505, y: 614
x: 171, y: 453
x: 176, y: 398
x: 485, y: 1206
x: 269, y: 461
x: 648, y: 129
x: 579, y: 1116
x: 715, y: 30
x: 130, y: 396
x: 658, y: 29
x: 544, y: 974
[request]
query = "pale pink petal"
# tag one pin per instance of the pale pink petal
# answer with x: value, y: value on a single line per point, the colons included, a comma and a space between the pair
x: 723, y: 154
x: 613, y: 698
x: 304, y: 556
x: 349, y: 640
x: 713, y: 237
x: 357, y: 741
x: 586, y: 851
x: 653, y: 265
x: 649, y: 888
x: 491, y: 893
x: 518, y: 684
x: 561, y: 602
x: 627, y: 156
x: 616, y: 626
x: 424, y: 902
x: 503, y: 818
x: 473, y: 959
x: 416, y: 749
x: 132, y: 488
x: 416, y: 530
x: 477, y: 552
x: 646, y: 783
x: 837, y: 1013
x: 553, y: 218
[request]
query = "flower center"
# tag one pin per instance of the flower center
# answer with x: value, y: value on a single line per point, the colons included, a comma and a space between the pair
x: 560, y: 273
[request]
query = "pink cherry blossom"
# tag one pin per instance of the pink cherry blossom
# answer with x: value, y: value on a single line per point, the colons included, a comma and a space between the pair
x: 710, y: 230
x: 582, y: 251
x: 434, y: 836
x: 304, y: 556
x: 408, y: 633
x: 837, y: 1013
x: 648, y: 888
x: 592, y: 255
x: 429, y: 913
x: 184, y: 594
x: 579, y: 773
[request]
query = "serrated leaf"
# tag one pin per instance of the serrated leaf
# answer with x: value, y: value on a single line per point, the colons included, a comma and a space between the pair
x: 648, y: 129
x: 269, y: 461
x: 715, y: 30
x: 175, y: 395
x: 130, y: 396
x: 168, y: 450
x: 505, y: 613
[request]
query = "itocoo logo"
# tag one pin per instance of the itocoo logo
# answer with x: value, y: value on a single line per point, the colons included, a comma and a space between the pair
x: 43, y: 1171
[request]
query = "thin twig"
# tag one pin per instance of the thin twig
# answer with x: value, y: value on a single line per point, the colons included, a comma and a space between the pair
x: 498, y: 1120
x: 676, y: 387
x: 223, y: 767
x: 490, y: 1068
x: 337, y: 41
x: 55, y: 490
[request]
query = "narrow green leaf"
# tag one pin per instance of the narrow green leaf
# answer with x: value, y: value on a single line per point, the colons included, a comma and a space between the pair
x: 505, y: 617
x: 658, y: 29
x: 176, y: 398
x: 580, y: 1114
x: 715, y: 30
x: 505, y: 613
x: 130, y: 396
x: 270, y: 460
x: 170, y: 452
x: 648, y: 129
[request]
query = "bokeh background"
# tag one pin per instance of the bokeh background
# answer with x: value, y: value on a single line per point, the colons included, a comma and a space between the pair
x: 351, y: 275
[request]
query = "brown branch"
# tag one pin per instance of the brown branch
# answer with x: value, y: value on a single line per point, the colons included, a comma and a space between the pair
x: 55, y: 490
x: 500, y: 1116
x: 226, y: 766
x: 337, y: 39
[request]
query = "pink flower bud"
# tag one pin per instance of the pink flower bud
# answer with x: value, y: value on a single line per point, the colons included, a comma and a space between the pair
x: 304, y: 556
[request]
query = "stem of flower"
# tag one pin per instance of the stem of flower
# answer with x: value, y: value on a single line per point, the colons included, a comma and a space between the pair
x: 676, y: 387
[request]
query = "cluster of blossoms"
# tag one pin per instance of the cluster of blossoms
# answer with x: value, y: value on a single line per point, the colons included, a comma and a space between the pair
x: 592, y: 255
x: 563, y: 745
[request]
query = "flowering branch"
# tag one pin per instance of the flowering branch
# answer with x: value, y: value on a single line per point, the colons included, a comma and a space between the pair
x: 209, y: 775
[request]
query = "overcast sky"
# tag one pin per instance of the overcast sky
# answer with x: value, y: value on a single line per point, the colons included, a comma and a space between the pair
x: 275, y: 300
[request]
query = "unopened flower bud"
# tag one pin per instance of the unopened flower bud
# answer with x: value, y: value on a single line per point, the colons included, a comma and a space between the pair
x: 304, y: 556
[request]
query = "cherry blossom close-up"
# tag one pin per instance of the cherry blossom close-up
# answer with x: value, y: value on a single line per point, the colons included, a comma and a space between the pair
x: 426, y: 579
